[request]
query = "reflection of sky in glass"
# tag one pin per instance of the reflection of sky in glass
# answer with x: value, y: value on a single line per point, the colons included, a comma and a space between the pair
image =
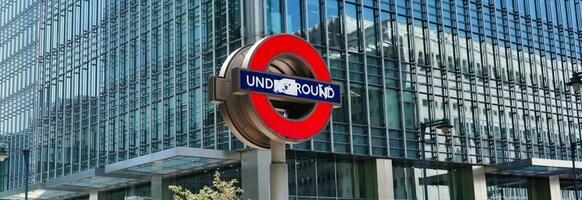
x: 313, y: 22
x: 294, y: 17
x: 352, y: 21
x: 274, y: 20
x: 313, y: 11
x: 476, y: 109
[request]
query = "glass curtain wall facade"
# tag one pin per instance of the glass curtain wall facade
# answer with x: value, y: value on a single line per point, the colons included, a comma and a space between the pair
x: 18, y: 91
x: 70, y: 45
x: 122, y: 79
x: 119, y: 79
x: 497, y: 69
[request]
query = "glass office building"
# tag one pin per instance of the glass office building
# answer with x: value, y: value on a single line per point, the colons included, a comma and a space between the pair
x: 111, y: 97
x: 18, y: 87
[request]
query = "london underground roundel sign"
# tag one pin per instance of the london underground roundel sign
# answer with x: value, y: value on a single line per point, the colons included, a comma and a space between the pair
x: 276, y: 89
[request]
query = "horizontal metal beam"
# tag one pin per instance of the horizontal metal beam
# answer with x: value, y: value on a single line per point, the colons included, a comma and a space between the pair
x: 171, y: 153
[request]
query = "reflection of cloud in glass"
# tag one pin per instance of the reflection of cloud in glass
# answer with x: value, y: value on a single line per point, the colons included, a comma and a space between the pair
x: 352, y: 24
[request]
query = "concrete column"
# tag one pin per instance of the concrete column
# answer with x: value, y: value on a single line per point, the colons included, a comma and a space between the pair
x: 468, y: 183
x: 156, y: 188
x: 555, y: 192
x: 385, y: 180
x: 479, y: 182
x: 375, y: 179
x: 255, y: 176
x: 544, y: 188
x: 93, y: 195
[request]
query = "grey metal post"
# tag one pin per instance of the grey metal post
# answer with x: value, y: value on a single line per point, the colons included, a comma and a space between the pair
x: 279, y: 176
x: 423, y: 152
x: 573, y: 149
x: 26, y: 154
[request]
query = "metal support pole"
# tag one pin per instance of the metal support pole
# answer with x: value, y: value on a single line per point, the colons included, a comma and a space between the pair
x: 423, y: 141
x: 573, y: 147
x: 279, y: 177
x: 26, y: 154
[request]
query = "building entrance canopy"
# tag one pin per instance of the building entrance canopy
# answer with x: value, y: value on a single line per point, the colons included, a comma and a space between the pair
x: 538, y: 167
x: 160, y: 164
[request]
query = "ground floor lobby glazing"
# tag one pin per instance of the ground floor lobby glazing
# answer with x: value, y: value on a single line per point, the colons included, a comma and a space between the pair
x: 325, y: 176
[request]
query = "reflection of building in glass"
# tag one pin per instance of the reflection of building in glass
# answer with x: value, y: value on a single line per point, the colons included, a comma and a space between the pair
x: 115, y: 90
x: 18, y: 91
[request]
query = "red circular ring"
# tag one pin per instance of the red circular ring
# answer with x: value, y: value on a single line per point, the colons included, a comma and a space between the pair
x: 263, y: 55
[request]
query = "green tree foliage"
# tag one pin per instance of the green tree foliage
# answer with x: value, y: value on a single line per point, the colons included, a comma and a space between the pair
x: 220, y: 190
